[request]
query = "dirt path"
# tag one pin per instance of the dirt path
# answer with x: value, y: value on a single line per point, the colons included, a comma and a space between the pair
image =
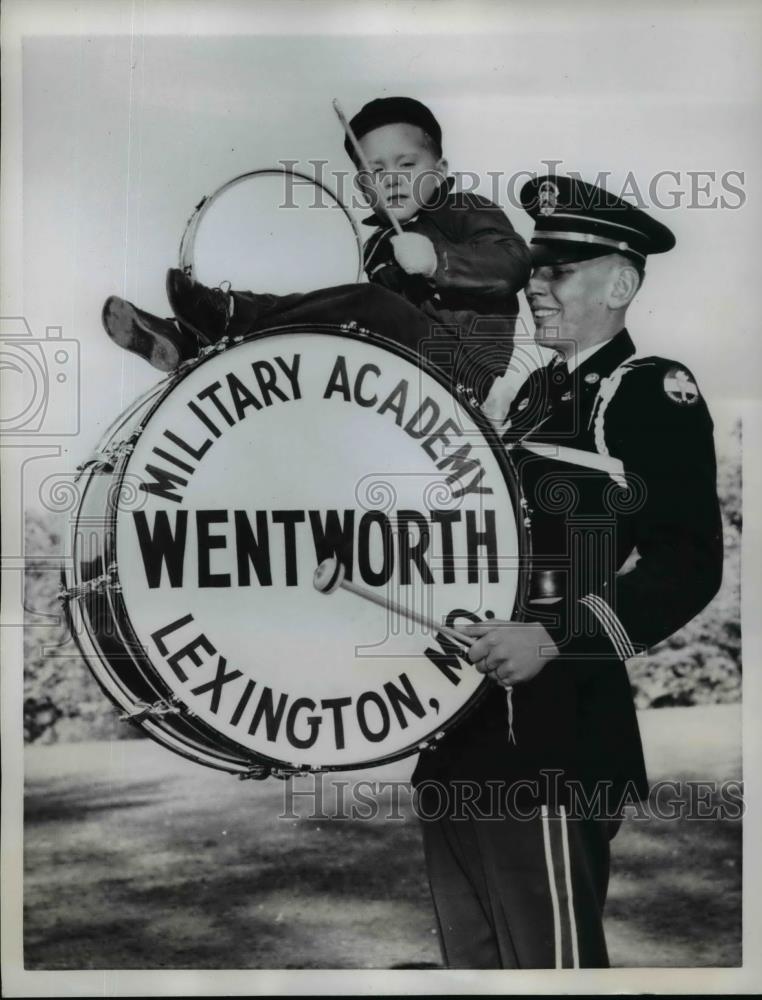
x: 137, y: 859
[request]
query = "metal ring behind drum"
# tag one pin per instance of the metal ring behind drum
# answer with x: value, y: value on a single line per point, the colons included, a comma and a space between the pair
x: 187, y: 242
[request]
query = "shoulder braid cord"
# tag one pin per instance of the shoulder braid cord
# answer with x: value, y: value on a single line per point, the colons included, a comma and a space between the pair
x: 606, y: 393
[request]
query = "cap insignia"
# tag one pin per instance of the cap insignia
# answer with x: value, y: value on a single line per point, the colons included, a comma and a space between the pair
x: 547, y: 197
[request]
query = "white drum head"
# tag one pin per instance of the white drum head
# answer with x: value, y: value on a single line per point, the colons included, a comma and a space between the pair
x: 273, y: 231
x: 294, y: 445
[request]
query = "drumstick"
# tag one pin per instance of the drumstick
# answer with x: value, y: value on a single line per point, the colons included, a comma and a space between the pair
x: 330, y: 575
x: 364, y: 162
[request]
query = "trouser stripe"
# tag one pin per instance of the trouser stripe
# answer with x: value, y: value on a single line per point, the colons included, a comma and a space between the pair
x: 552, y: 884
x: 569, y: 891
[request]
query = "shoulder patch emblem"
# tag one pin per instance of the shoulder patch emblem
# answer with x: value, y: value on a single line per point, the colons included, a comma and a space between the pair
x: 680, y: 387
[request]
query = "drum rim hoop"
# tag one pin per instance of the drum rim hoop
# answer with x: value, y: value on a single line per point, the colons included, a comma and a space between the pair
x: 188, y: 238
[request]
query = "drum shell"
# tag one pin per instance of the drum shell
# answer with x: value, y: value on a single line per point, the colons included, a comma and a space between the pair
x: 100, y: 620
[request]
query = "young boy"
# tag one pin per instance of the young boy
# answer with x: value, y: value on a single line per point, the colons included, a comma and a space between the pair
x: 458, y: 260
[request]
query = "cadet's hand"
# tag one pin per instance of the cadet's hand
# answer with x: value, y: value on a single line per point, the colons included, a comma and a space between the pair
x: 415, y: 253
x: 510, y: 652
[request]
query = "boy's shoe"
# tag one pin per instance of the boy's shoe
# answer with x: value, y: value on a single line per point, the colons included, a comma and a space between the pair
x: 205, y: 311
x: 157, y: 340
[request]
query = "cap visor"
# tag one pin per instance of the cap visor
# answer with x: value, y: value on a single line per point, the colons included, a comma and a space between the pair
x: 564, y: 253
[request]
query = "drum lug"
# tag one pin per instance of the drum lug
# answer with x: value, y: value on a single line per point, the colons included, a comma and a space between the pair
x: 352, y: 326
x: 113, y: 574
x: 156, y: 710
x: 109, y: 457
x: 289, y: 772
x: 215, y: 348
x: 430, y: 745
x: 116, y: 452
x: 257, y: 772
x: 98, y: 585
x: 527, y: 511
x: 82, y: 468
x: 467, y: 396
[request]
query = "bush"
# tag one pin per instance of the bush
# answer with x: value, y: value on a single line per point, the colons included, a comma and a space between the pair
x: 62, y: 699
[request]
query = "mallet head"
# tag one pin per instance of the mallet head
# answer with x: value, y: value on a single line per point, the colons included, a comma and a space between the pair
x: 329, y: 576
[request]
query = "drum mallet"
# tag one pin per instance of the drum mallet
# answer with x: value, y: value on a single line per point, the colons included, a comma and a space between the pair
x: 364, y: 163
x: 330, y: 575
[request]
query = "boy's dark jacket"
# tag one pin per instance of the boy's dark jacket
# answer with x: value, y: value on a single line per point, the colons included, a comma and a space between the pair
x: 482, y: 262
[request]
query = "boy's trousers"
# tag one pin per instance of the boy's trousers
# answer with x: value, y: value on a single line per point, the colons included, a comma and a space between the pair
x: 447, y: 338
x: 519, y: 894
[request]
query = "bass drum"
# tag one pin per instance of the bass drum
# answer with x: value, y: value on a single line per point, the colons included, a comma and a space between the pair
x: 203, y: 518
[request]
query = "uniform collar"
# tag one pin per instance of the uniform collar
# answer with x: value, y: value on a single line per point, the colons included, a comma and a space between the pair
x: 576, y: 360
x: 603, y: 360
x: 433, y: 203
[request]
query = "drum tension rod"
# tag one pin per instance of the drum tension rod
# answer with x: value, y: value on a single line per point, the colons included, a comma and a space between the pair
x: 215, y: 348
x: 115, y: 452
x: 142, y: 710
x: 110, y: 455
x: 258, y: 772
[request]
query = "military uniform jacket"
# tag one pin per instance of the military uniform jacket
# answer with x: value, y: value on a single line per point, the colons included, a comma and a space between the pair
x: 617, y: 467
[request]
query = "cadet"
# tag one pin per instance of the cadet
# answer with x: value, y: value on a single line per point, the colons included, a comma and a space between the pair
x: 456, y: 260
x: 615, y: 457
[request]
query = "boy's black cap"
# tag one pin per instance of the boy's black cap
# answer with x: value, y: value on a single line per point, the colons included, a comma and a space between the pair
x: 390, y: 111
x: 578, y: 221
